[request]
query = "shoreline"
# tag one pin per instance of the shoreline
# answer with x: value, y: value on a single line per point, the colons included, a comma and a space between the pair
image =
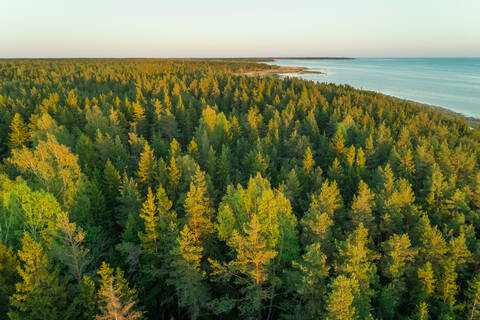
x: 451, y: 113
x: 281, y: 70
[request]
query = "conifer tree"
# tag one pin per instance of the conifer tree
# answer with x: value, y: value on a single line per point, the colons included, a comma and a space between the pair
x: 250, y: 267
x: 174, y: 174
x: 147, y: 167
x: 8, y: 276
x: 362, y: 205
x: 19, y: 134
x: 338, y: 145
x: 127, y: 211
x: 427, y: 280
x: 157, y: 242
x: 340, y: 301
x: 187, y: 276
x: 473, y: 306
x: 475, y: 195
x: 447, y: 287
x: 116, y: 300
x: 314, y: 272
x: 41, y: 293
x: 357, y: 262
x: 308, y: 162
x: 70, y: 250
x: 319, y: 216
x: 198, y: 209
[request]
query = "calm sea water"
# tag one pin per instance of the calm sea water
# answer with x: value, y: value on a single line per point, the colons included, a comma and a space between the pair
x: 453, y: 83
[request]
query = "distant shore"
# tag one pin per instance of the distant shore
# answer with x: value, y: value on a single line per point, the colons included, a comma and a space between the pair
x: 473, y: 121
x: 281, y: 70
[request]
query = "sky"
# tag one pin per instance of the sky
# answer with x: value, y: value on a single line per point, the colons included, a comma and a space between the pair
x: 242, y: 28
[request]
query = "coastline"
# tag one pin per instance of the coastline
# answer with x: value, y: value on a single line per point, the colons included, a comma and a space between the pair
x: 305, y: 70
x: 280, y: 70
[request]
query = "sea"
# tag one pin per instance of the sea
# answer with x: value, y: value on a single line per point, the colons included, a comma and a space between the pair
x: 452, y: 83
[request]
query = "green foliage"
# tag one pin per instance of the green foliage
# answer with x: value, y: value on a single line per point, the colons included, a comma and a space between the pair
x: 198, y: 175
x: 116, y: 299
x: 41, y: 293
x: 19, y: 134
x: 187, y: 276
x: 198, y: 210
x: 8, y: 276
x: 340, y: 301
x: 271, y: 208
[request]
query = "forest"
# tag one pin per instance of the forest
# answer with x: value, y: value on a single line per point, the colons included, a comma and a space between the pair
x: 182, y: 189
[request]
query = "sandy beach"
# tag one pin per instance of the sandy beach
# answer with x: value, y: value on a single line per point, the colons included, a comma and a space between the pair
x: 280, y: 71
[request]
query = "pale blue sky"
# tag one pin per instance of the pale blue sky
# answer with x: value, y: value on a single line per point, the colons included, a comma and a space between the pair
x: 178, y: 28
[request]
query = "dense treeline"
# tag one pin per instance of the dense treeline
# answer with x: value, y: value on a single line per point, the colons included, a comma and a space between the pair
x: 179, y: 189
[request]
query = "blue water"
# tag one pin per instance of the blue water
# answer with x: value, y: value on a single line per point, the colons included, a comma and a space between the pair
x: 453, y: 83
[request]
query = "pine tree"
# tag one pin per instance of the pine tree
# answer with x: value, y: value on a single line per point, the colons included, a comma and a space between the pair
x: 356, y: 260
x: 174, y: 174
x: 41, y: 294
x: 187, y: 276
x: 253, y: 256
x: 314, y: 272
x: 147, y: 167
x: 406, y: 163
x: 422, y: 311
x: 150, y: 238
x: 433, y: 246
x: 426, y: 279
x: 340, y: 301
x: 319, y: 217
x: 115, y: 298
x: 396, y: 262
x: 397, y: 258
x: 447, y: 286
x: 473, y: 306
x: 362, y: 205
x: 338, y: 145
x: 308, y: 162
x: 350, y: 155
x: 198, y: 209
x: 360, y: 158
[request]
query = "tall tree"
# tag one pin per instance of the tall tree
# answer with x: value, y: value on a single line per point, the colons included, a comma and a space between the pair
x: 357, y: 261
x: 53, y: 166
x: 187, y: 276
x: 253, y: 257
x: 198, y: 209
x: 340, y: 301
x: 147, y: 167
x: 116, y: 300
x: 19, y: 134
x: 41, y: 293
